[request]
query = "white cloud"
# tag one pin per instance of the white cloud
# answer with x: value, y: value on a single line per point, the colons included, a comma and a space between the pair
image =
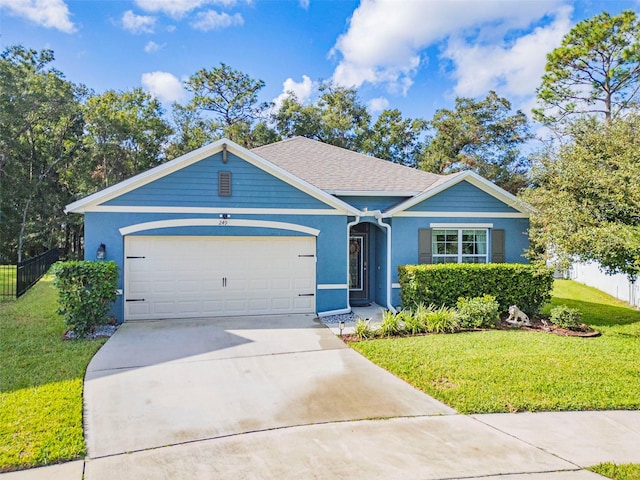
x: 163, y: 85
x: 46, y: 13
x: 138, y: 23
x: 378, y: 104
x: 305, y: 4
x: 385, y: 43
x: 178, y: 8
x: 302, y: 90
x: 152, y: 46
x: 212, y: 20
x: 515, y: 69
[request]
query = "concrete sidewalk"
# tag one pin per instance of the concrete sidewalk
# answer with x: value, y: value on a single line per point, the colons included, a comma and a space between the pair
x: 533, y: 446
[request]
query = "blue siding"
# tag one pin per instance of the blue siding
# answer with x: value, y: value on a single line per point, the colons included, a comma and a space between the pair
x: 405, y: 240
x: 197, y: 186
x: 372, y: 203
x: 331, y: 251
x: 462, y: 197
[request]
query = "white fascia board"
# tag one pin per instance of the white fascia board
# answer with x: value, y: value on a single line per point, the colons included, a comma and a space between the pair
x: 372, y: 193
x: 473, y: 178
x: 428, y: 214
x: 201, y: 153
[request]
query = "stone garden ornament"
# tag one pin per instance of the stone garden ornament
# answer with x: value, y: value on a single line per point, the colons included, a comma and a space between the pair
x: 518, y: 317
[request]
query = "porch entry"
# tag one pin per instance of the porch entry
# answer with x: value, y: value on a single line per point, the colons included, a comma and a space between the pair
x: 361, y: 264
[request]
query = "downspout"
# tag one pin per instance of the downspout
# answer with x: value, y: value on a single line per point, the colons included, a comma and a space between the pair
x: 378, y: 216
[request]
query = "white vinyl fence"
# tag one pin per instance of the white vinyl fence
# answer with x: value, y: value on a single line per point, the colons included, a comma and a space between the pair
x: 615, y: 285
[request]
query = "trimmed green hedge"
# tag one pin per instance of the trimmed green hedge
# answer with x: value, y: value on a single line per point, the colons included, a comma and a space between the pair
x: 86, y: 291
x: 527, y: 286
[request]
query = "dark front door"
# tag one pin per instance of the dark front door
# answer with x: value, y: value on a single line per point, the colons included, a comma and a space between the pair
x: 358, y: 268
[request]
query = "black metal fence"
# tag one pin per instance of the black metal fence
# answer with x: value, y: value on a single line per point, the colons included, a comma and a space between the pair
x: 15, y: 280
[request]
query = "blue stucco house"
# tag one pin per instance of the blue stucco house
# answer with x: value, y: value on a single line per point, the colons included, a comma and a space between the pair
x: 296, y: 226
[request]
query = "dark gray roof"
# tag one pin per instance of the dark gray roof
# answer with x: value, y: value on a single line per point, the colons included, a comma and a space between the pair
x: 334, y: 169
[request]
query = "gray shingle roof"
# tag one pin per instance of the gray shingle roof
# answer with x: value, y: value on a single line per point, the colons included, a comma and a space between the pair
x: 334, y: 169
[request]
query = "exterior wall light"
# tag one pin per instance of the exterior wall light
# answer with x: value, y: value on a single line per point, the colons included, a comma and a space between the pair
x: 101, y: 253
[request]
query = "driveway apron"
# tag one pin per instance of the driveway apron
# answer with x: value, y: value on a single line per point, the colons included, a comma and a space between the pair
x: 171, y: 382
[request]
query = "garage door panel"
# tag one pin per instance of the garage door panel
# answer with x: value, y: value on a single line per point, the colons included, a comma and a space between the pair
x: 182, y: 277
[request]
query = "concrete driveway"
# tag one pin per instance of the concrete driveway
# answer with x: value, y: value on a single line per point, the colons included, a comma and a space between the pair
x: 282, y: 397
x: 168, y: 382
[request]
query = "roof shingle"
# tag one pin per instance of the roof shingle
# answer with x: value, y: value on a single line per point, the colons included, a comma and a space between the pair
x: 334, y: 169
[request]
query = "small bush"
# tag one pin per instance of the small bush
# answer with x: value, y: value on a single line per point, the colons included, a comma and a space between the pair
x: 363, y: 329
x: 442, y: 320
x: 390, y: 325
x: 86, y: 291
x: 478, y: 312
x: 566, y: 317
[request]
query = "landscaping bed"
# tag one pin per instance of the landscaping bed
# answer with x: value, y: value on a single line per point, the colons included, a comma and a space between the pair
x: 525, y: 369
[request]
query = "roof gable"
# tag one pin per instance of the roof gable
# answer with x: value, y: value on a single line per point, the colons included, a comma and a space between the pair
x: 222, y: 147
x: 508, y: 202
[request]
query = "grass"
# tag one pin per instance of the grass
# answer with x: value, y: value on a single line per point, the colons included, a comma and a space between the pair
x: 509, y: 371
x: 7, y: 283
x: 618, y: 472
x: 41, y: 382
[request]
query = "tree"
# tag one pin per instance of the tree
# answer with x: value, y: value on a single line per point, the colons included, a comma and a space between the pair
x: 231, y: 96
x: 191, y: 130
x: 587, y: 196
x: 40, y: 130
x: 395, y: 139
x: 337, y: 117
x: 596, y: 70
x: 126, y: 135
x: 482, y: 136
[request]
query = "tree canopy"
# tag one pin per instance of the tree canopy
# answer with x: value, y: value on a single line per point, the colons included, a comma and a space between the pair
x: 479, y: 135
x: 587, y: 196
x: 596, y: 70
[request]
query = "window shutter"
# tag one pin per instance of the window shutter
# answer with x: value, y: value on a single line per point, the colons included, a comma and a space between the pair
x: 425, y: 254
x: 224, y: 184
x: 497, y: 245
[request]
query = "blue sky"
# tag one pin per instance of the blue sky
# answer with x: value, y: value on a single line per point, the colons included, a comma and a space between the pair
x: 414, y: 55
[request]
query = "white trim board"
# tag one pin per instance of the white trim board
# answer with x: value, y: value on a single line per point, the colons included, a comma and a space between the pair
x: 332, y: 286
x: 461, y: 225
x: 214, y: 210
x: 215, y: 222
x: 461, y: 214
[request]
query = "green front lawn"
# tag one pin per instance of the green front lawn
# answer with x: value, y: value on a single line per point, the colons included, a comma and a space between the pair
x: 618, y: 472
x: 510, y: 371
x: 41, y: 379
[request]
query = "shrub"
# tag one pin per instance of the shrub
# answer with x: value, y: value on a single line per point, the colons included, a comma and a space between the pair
x: 478, y: 312
x: 415, y: 321
x: 442, y: 320
x: 86, y: 291
x: 527, y: 286
x: 566, y: 317
x: 390, y: 325
x: 363, y: 329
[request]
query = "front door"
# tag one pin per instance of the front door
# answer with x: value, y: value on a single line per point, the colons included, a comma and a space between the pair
x: 358, y: 268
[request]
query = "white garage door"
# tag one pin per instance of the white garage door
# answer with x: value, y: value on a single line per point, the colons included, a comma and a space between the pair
x: 190, y: 277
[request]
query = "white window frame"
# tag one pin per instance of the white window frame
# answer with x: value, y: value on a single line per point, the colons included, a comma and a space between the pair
x: 459, y: 229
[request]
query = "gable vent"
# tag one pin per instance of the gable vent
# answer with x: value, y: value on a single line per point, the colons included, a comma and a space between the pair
x: 224, y: 184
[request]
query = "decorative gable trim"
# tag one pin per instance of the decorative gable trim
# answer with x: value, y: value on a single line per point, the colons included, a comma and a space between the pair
x: 475, y: 180
x: 88, y: 203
